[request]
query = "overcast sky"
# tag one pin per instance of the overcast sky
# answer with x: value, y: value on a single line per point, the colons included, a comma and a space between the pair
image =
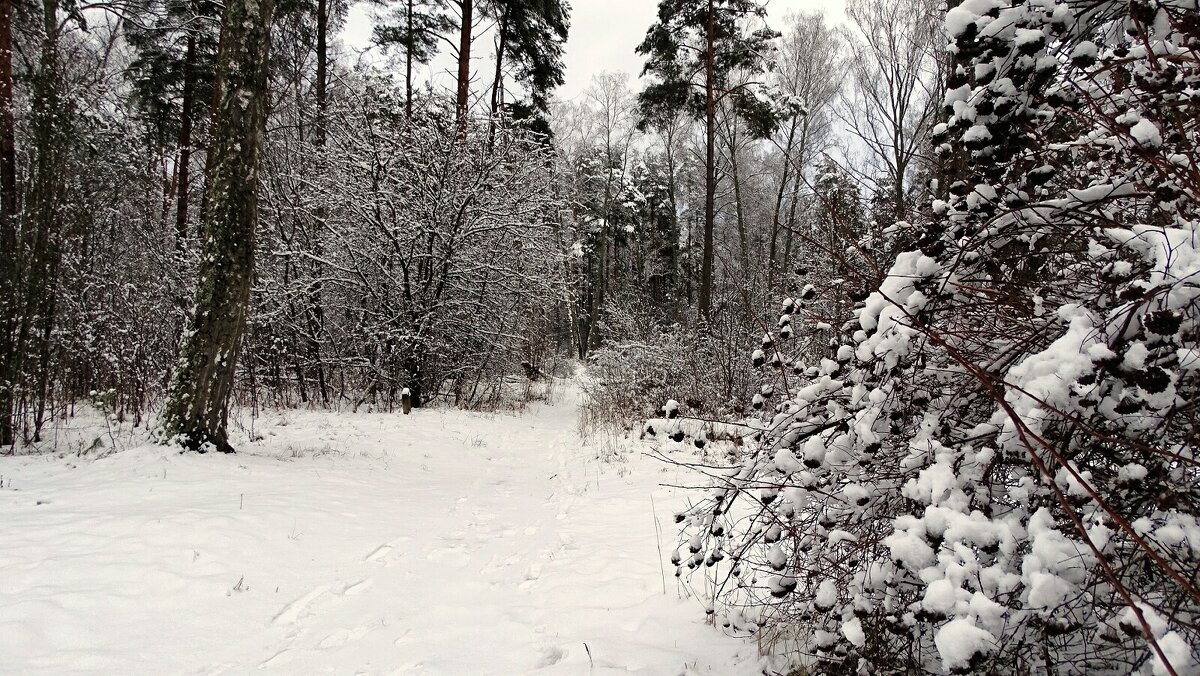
x: 603, y: 34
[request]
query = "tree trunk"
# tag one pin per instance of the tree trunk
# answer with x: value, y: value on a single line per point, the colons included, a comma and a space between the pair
x: 710, y: 168
x: 786, y: 265
x: 185, y: 141
x: 464, y: 62
x: 776, y: 222
x: 498, y: 79
x: 210, y: 156
x: 672, y: 262
x: 322, y: 67
x: 408, y: 64
x: 316, y: 312
x: 8, y: 231
x: 195, y: 412
x: 739, y: 210
x: 44, y: 248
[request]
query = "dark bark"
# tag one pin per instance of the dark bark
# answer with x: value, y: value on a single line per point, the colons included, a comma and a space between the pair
x: 210, y: 155
x: 743, y: 234
x: 408, y: 65
x: 8, y: 231
x: 185, y: 141
x: 322, y: 84
x: 776, y: 222
x: 793, y: 205
x: 710, y: 168
x: 316, y: 312
x: 498, y: 78
x: 43, y: 248
x: 464, y: 62
x: 195, y: 412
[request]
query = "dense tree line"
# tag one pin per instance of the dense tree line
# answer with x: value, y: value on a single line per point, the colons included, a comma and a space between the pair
x: 674, y: 196
x: 632, y: 235
x: 193, y: 208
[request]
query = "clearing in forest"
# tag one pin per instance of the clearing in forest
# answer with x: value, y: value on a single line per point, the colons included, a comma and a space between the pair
x: 444, y: 542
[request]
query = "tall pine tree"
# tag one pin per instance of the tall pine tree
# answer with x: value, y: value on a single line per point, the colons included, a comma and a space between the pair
x: 415, y: 27
x: 530, y: 35
x: 691, y: 51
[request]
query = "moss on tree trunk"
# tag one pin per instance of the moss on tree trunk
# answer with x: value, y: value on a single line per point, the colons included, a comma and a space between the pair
x: 195, y: 413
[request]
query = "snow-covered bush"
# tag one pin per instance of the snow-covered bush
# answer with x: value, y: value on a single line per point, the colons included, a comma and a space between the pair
x: 994, y: 468
x: 702, y: 366
x: 436, y: 263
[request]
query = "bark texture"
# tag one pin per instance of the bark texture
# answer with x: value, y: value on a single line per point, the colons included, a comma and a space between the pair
x: 8, y: 232
x: 463, y: 96
x: 710, y: 164
x: 195, y: 412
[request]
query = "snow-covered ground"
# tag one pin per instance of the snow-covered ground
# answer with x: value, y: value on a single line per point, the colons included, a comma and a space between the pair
x: 444, y: 542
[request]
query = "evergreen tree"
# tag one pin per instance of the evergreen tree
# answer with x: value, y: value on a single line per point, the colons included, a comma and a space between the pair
x: 414, y: 26
x: 176, y: 43
x: 706, y: 36
x: 530, y: 35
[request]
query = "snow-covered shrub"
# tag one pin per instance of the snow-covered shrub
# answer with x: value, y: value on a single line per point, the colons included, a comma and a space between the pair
x: 994, y: 468
x: 702, y: 367
x: 437, y: 263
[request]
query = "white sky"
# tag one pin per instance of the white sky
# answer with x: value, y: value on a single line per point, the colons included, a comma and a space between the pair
x: 604, y: 34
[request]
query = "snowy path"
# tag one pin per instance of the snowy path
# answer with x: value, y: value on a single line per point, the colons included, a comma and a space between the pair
x: 441, y: 543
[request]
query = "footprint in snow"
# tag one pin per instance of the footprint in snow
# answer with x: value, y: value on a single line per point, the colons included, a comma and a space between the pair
x: 378, y: 554
x: 531, y: 576
x: 454, y: 555
x: 355, y: 588
x: 417, y: 667
x: 292, y: 611
x: 550, y: 657
x: 342, y: 637
x: 279, y: 658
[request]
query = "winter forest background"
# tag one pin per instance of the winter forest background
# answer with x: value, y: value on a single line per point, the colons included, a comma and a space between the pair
x: 913, y: 296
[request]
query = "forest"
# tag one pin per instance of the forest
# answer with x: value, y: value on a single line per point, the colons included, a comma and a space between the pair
x: 894, y: 314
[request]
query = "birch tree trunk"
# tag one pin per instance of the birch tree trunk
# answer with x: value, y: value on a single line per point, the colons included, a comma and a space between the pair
x: 195, y: 412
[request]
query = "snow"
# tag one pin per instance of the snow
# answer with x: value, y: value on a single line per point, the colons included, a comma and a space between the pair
x: 977, y: 133
x: 1178, y: 652
x: 826, y: 594
x: 959, y: 641
x: 853, y: 632
x: 443, y: 542
x: 966, y: 13
x: 1146, y: 134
